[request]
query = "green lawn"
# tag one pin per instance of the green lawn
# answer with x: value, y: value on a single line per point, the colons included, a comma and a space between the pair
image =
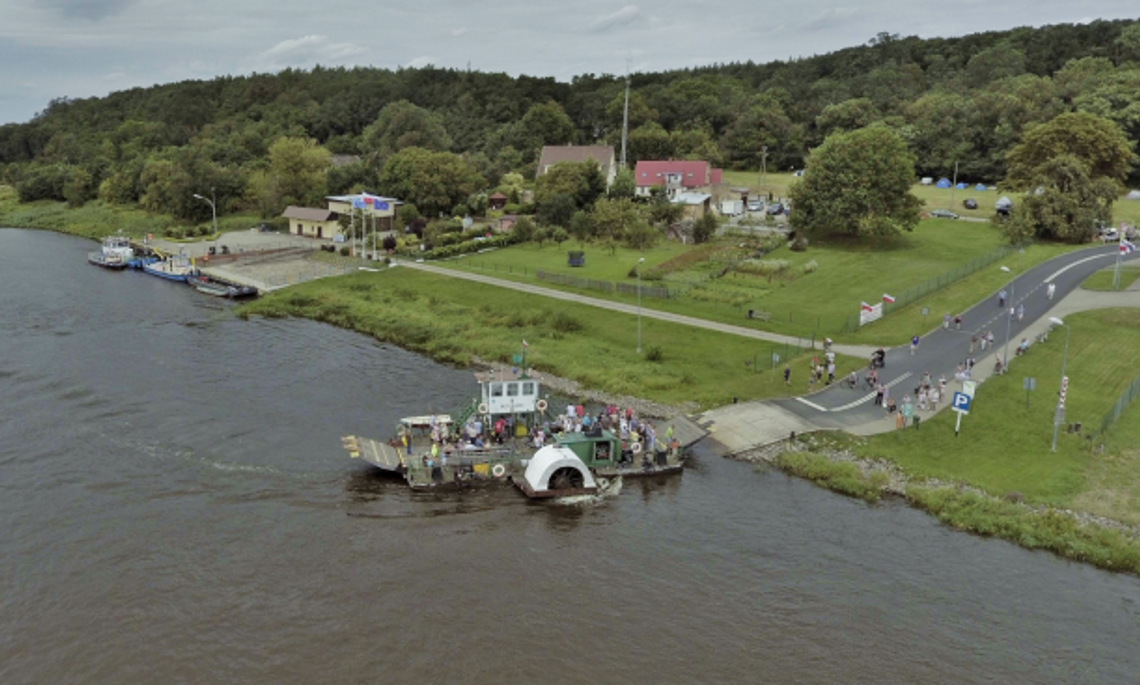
x: 1005, y: 447
x: 450, y: 320
x: 1102, y: 280
x: 97, y: 219
x: 816, y: 304
x: 600, y: 264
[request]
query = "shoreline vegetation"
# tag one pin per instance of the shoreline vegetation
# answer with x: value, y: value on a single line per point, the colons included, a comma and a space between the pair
x: 1074, y: 535
x: 455, y: 322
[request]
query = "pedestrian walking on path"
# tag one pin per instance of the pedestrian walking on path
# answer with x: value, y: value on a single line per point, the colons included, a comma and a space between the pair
x: 989, y: 339
x: 946, y: 322
x: 958, y: 322
x: 973, y: 341
x: 879, y: 395
x: 1020, y: 312
x: 830, y: 373
x: 1050, y: 290
x: 913, y: 345
x: 1001, y: 299
x: 787, y: 374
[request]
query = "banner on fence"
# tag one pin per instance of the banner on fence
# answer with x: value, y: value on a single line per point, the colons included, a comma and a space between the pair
x: 869, y: 313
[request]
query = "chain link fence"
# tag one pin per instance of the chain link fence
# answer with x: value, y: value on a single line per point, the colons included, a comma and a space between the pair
x: 1126, y: 398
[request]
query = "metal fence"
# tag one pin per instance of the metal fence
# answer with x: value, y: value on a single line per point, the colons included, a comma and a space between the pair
x: 912, y: 295
x: 1126, y: 398
x: 604, y: 286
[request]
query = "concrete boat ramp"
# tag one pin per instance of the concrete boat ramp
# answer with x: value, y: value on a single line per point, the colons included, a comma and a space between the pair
x: 736, y: 428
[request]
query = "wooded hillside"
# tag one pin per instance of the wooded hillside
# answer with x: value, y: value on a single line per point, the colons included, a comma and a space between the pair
x: 963, y: 99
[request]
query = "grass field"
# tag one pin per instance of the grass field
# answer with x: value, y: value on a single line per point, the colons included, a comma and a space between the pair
x: 935, y: 198
x: 97, y: 219
x: 1102, y: 280
x: 819, y: 303
x: 450, y: 320
x: 1004, y: 445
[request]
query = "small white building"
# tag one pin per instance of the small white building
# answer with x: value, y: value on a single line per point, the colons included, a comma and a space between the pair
x: 507, y: 391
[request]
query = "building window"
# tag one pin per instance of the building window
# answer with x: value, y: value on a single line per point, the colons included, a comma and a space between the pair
x: 528, y: 389
x: 512, y: 389
x: 496, y: 390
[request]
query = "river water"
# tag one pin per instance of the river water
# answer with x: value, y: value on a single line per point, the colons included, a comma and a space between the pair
x: 176, y: 508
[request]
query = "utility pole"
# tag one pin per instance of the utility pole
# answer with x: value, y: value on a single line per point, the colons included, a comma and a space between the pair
x: 954, y: 185
x: 625, y: 116
x: 763, y: 168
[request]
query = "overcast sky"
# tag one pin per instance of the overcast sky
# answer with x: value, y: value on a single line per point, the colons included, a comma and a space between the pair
x: 80, y: 48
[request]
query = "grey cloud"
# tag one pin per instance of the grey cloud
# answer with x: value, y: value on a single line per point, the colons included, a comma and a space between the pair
x: 89, y: 9
x: 622, y: 17
x: 836, y: 16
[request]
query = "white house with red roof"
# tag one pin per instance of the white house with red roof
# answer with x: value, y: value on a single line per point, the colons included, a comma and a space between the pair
x: 676, y: 176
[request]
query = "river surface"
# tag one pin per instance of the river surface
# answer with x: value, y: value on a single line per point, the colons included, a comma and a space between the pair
x: 176, y: 508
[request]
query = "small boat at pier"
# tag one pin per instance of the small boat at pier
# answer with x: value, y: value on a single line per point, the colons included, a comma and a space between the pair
x: 173, y: 268
x: 508, y: 435
x: 115, y: 253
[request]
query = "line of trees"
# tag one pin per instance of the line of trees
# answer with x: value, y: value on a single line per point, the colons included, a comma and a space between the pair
x: 265, y: 140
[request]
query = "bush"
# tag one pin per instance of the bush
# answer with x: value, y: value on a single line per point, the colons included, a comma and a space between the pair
x: 564, y: 323
x: 810, y: 267
x: 203, y: 230
x: 345, y: 251
x: 799, y: 244
x: 654, y: 354
x: 389, y: 242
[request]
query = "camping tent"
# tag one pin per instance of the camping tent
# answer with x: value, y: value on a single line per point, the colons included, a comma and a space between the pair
x: 961, y: 186
x: 980, y: 187
x: 927, y: 181
x: 1133, y: 195
x: 1004, y: 203
x: 943, y: 183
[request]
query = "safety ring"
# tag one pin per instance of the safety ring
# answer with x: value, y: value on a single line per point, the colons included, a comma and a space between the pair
x: 483, y: 408
x: 541, y: 405
x: 636, y: 448
x: 498, y: 470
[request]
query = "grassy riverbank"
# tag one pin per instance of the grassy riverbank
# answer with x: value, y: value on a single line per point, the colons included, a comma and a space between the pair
x: 97, y: 219
x: 452, y: 320
x: 1000, y: 477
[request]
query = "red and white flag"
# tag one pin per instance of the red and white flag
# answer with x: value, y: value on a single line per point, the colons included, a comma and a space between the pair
x: 888, y: 299
x: 866, y: 307
x: 1127, y: 247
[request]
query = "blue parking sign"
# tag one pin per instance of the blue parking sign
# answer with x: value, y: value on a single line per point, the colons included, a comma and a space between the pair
x: 961, y: 403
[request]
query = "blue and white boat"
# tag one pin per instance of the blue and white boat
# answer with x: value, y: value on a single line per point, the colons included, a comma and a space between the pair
x: 116, y: 253
x: 173, y: 268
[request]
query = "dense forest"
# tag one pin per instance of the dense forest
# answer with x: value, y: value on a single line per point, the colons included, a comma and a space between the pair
x: 264, y: 140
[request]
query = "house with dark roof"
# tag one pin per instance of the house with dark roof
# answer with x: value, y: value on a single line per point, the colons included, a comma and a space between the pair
x: 314, y: 223
x: 602, y: 154
x: 497, y: 201
x: 675, y: 176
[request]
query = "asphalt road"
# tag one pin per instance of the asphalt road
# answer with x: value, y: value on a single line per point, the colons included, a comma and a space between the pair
x: 941, y: 351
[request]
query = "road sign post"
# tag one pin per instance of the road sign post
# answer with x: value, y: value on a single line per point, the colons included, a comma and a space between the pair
x: 961, y: 404
x: 1028, y: 384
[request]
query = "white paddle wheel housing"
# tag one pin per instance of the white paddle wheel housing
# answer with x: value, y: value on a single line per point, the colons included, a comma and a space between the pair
x: 555, y: 470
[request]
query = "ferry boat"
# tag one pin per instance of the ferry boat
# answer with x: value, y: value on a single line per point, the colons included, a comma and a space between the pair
x: 115, y: 253
x: 509, y: 434
x: 173, y: 268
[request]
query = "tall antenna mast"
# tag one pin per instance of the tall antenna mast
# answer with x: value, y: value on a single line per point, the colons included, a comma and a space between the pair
x: 625, y: 115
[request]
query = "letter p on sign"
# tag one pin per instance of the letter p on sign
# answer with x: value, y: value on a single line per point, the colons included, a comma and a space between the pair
x: 961, y: 403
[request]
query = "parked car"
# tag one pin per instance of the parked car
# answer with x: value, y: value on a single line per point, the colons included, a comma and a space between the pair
x: 755, y: 206
x: 944, y: 214
x: 775, y: 208
x: 1109, y: 235
x: 970, y: 203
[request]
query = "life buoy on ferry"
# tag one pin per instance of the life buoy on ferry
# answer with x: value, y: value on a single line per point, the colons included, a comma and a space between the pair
x: 635, y: 448
x: 498, y: 470
x: 483, y: 408
x: 540, y: 405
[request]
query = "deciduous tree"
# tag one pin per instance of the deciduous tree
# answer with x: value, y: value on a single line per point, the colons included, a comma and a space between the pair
x: 857, y: 183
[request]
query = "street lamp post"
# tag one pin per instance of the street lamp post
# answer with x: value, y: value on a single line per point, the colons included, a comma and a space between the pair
x: 213, y: 209
x: 1064, y: 361
x: 639, y: 263
x: 1008, y: 318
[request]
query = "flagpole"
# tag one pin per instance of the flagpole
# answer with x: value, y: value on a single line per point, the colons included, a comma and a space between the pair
x: 1116, y: 272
